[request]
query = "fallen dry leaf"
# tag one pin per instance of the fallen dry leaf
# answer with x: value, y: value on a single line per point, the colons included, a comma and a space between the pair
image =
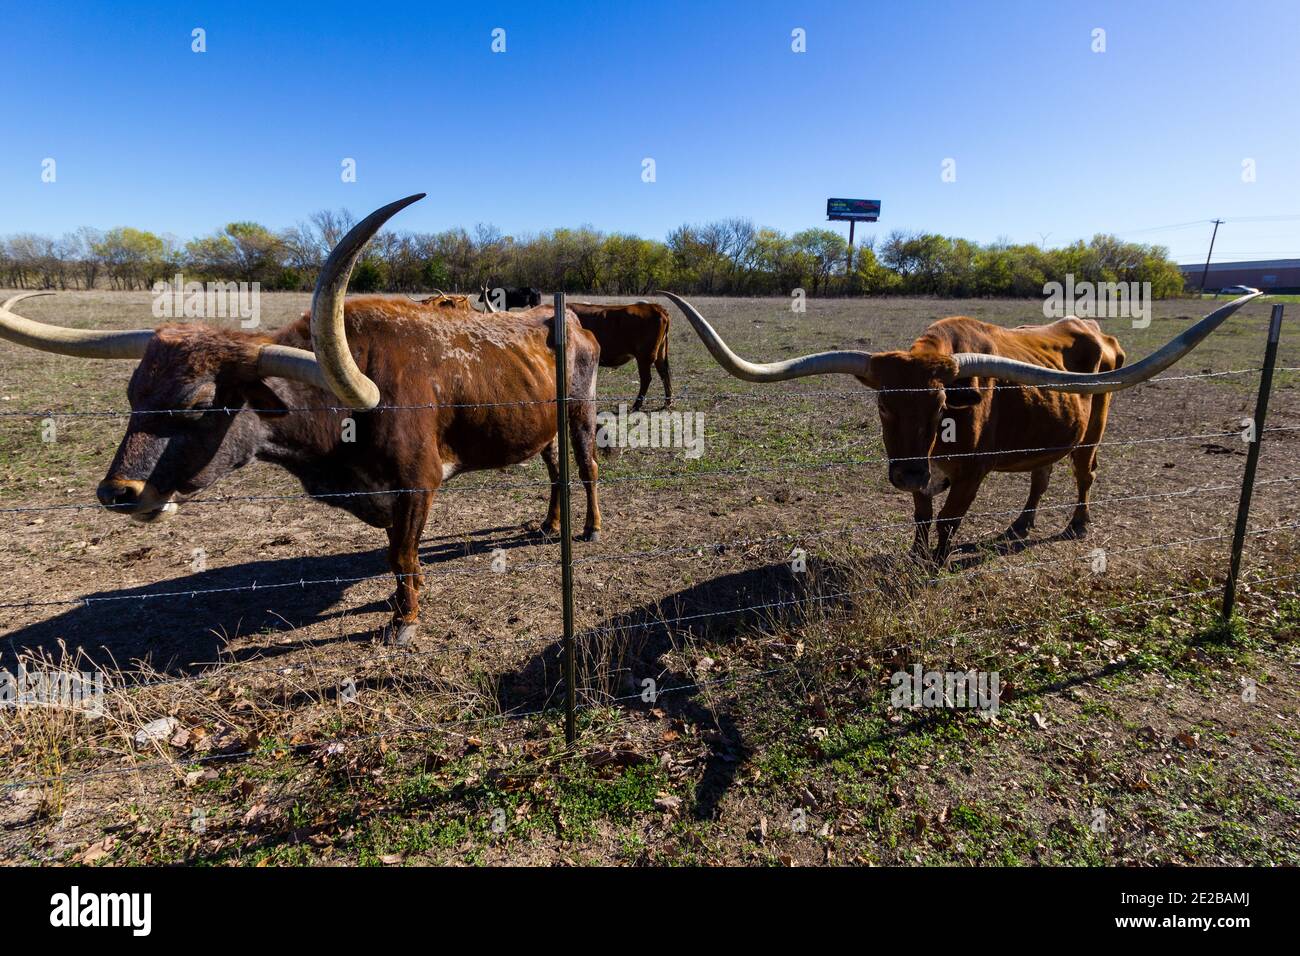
x: 668, y: 802
x: 159, y: 729
x: 96, y: 851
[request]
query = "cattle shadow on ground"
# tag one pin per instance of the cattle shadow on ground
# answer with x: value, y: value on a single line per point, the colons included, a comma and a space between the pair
x: 477, y: 792
x: 972, y: 554
x: 626, y: 648
x: 182, y: 625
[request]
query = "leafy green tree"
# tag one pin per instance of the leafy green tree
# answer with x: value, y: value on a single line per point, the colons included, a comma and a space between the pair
x: 134, y: 258
x: 825, y: 252
x: 728, y: 256
x: 369, y: 275
x: 870, y: 276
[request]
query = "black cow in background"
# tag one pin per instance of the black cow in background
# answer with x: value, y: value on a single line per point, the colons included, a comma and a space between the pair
x: 496, y: 298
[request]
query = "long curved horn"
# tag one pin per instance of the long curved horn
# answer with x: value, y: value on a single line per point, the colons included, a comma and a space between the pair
x: 1025, y: 373
x: 329, y: 338
x: 82, y: 343
x: 822, y: 363
x: 434, y: 294
x: 285, y: 361
x: 486, y: 295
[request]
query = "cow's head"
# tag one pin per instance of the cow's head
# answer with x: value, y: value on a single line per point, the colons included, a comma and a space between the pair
x: 919, y: 388
x: 199, y: 397
x: 198, y: 402
x: 913, y: 403
x: 446, y: 300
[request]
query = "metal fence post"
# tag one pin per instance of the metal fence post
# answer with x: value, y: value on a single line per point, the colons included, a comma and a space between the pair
x: 1252, y: 460
x: 566, y: 533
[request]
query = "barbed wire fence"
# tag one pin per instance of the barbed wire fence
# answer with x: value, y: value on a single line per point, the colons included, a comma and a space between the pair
x: 566, y: 646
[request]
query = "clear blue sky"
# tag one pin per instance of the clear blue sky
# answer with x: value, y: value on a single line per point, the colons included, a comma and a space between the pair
x: 1049, y: 138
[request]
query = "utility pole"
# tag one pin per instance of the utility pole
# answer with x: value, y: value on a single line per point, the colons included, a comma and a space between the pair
x: 1206, y: 271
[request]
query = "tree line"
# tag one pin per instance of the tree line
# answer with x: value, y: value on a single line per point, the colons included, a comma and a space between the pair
x: 728, y: 257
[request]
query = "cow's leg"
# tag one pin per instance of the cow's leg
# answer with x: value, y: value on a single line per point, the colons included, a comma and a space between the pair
x: 665, y: 376
x: 1084, y: 459
x: 550, y: 455
x: 409, y: 515
x: 643, y: 369
x: 582, y: 432
x: 960, y: 496
x: 923, y: 513
x: 1085, y: 470
x: 1024, y: 523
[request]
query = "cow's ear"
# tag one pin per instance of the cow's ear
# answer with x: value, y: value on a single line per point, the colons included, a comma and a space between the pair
x: 946, y: 369
x: 263, y: 401
x: 872, y: 378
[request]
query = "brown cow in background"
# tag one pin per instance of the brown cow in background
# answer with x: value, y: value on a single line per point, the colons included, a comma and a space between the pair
x: 636, y: 331
x: 447, y: 300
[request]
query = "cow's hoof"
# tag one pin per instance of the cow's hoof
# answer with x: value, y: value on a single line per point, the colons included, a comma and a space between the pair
x: 400, y: 634
x: 590, y: 536
x: 1076, y: 532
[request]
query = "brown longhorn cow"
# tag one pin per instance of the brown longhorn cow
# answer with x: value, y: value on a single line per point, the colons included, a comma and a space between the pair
x: 636, y: 331
x: 447, y: 301
x: 423, y: 397
x: 1013, y: 400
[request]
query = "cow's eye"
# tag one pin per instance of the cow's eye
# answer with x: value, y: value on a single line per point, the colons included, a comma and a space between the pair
x: 961, y: 394
x: 195, y: 412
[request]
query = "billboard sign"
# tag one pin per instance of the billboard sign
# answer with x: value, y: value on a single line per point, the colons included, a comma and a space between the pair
x: 854, y: 210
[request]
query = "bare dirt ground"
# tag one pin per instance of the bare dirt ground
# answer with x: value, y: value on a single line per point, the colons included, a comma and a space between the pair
x: 1132, y: 729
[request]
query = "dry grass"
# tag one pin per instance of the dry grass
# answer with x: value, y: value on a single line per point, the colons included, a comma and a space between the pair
x: 299, y: 738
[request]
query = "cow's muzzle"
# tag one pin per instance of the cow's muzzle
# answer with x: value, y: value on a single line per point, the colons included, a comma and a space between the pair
x: 914, y: 476
x: 138, y: 499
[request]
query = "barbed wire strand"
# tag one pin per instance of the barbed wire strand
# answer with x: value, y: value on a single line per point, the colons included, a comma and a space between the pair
x: 435, y: 571
x: 667, y: 476
x: 683, y: 395
x: 237, y: 671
